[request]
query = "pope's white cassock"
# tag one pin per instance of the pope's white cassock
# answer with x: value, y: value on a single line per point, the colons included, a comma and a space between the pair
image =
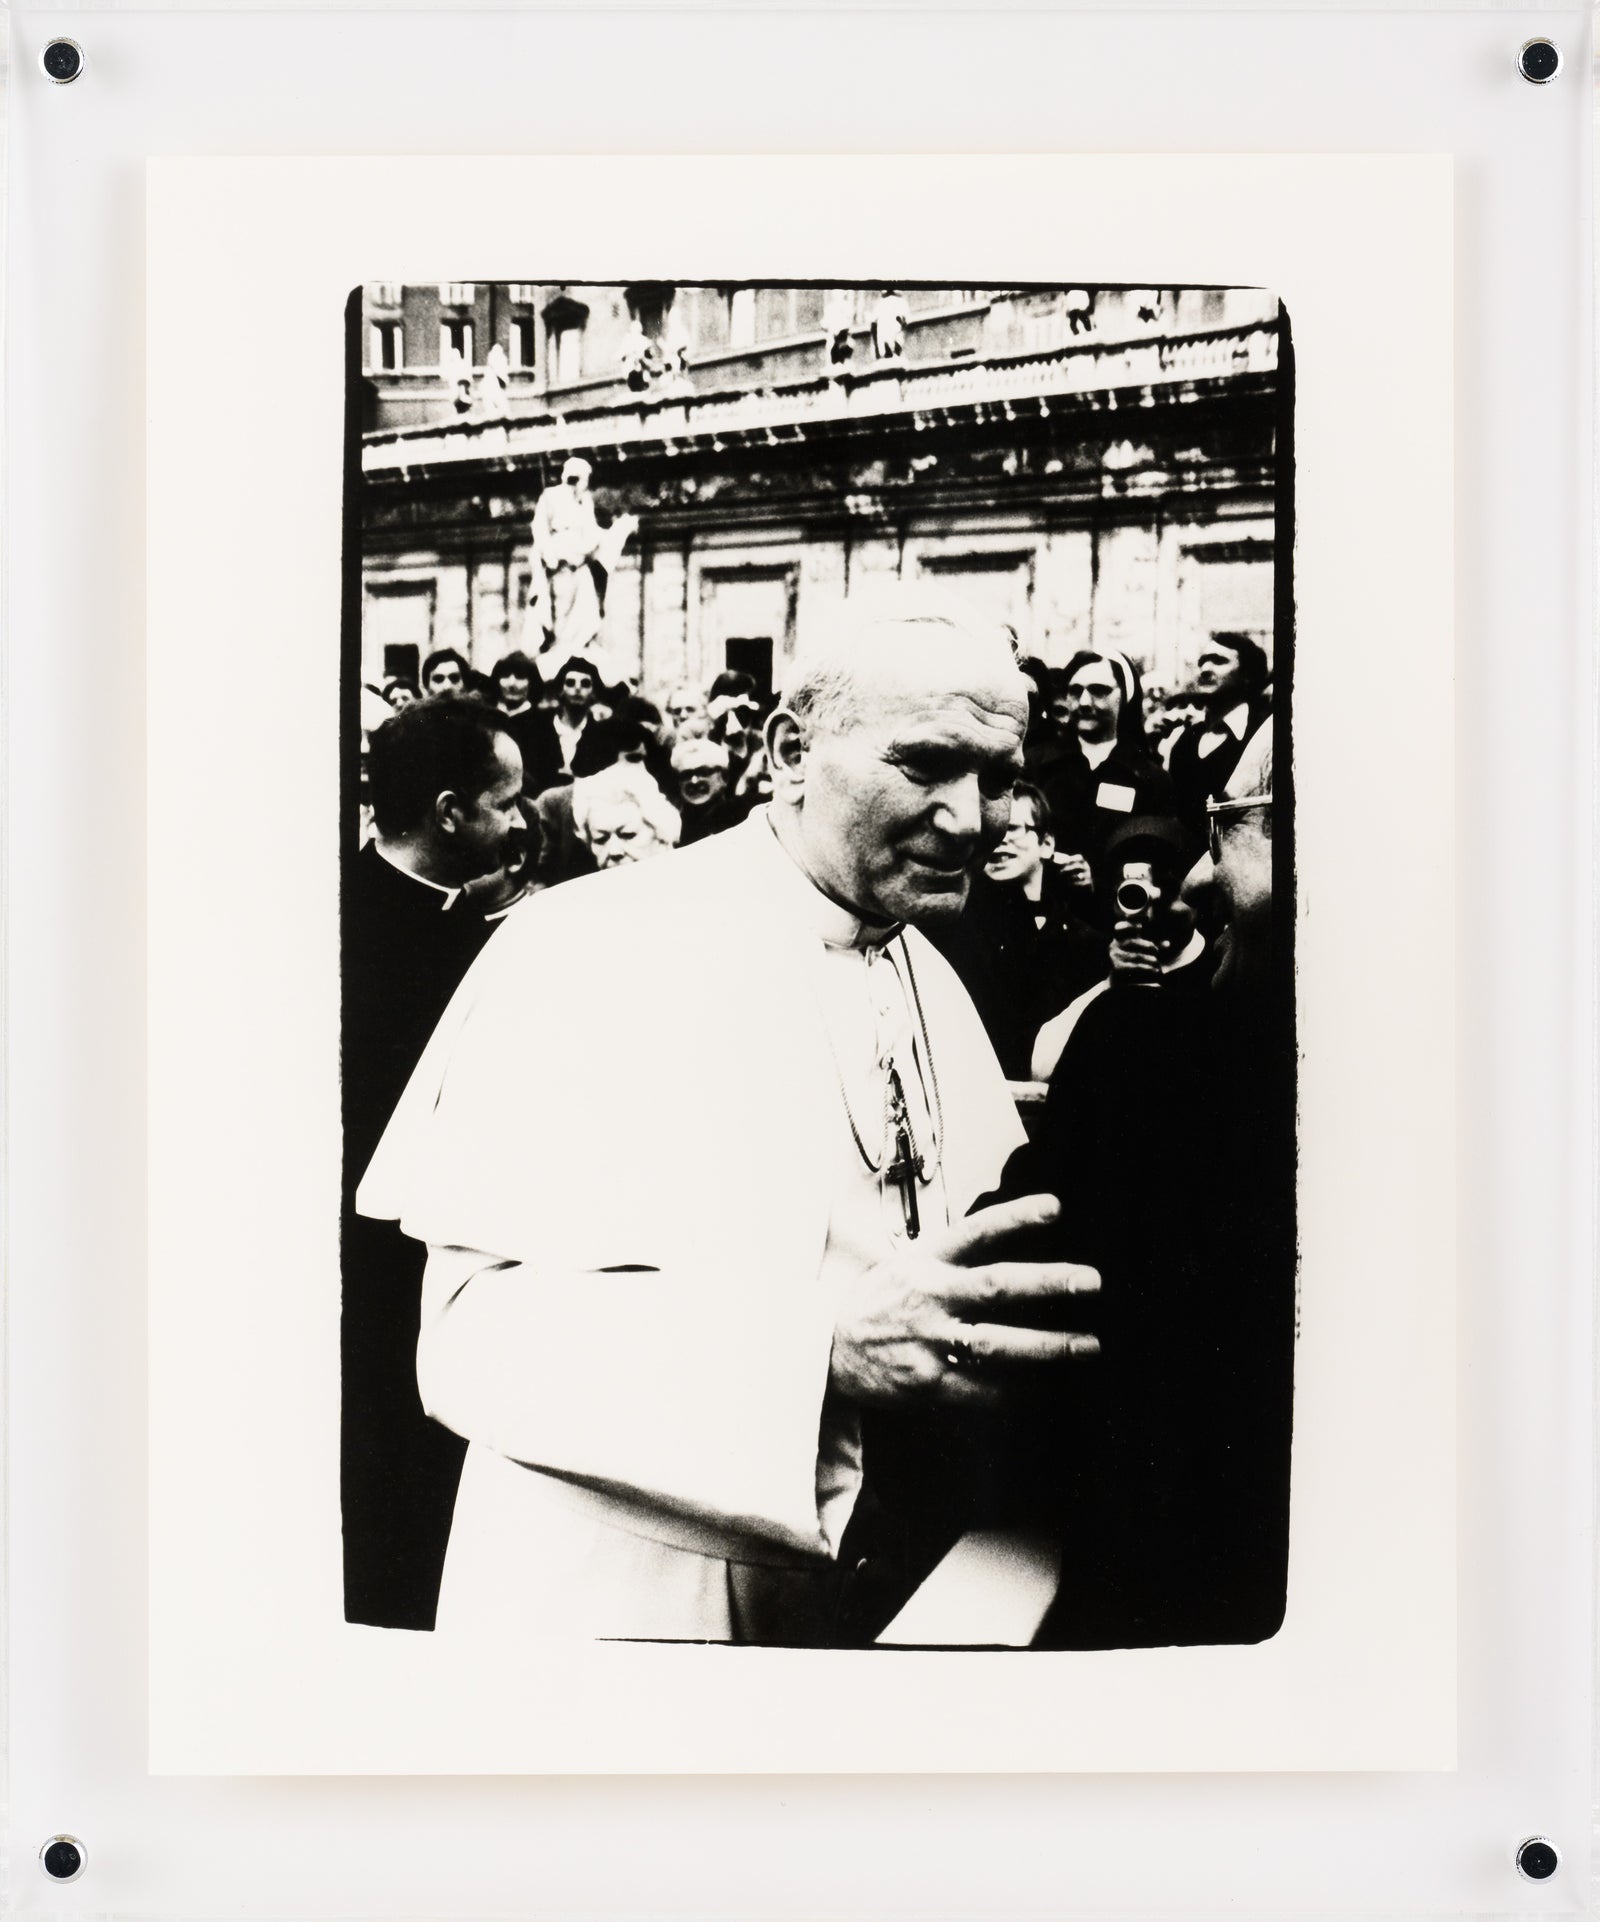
x: 632, y: 1149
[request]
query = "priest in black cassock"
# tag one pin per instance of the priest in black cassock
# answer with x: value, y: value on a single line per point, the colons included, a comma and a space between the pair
x: 445, y: 778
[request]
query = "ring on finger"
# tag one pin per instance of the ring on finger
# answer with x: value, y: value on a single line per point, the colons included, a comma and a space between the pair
x: 958, y: 1352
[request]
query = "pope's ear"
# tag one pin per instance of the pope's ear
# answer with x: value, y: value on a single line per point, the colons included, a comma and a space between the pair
x: 448, y: 811
x: 786, y: 750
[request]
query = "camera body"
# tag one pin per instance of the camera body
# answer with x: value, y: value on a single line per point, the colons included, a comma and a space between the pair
x: 1139, y: 897
x: 1142, y: 902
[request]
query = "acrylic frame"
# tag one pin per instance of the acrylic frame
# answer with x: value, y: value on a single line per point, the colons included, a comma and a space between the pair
x: 1427, y: 1844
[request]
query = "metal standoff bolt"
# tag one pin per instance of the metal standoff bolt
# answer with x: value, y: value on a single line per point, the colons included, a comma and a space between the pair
x: 1537, y: 1859
x: 61, y: 60
x: 1539, y: 61
x: 63, y: 1858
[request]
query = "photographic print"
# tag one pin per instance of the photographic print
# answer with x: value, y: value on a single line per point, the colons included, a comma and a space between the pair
x: 817, y: 1037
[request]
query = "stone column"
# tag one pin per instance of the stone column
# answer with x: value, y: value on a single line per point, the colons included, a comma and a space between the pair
x: 1168, y: 642
x: 1063, y: 591
x: 1187, y: 614
x: 822, y: 591
x: 452, y: 614
x: 490, y: 636
x: 621, y: 630
x: 664, y: 657
x: 872, y: 558
x: 1124, y: 616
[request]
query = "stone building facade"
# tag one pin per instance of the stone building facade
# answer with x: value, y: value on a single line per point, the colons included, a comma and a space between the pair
x: 1095, y: 466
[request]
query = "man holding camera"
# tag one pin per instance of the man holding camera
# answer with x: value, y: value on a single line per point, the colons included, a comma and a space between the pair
x: 1169, y: 1138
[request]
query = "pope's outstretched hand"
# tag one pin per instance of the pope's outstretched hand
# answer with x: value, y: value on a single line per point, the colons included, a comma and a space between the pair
x: 918, y: 1327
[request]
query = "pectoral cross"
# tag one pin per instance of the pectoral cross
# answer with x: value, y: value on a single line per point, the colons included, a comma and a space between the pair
x: 905, y: 1169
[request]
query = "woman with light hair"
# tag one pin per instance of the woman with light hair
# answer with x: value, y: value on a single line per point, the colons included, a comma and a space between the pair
x: 621, y: 815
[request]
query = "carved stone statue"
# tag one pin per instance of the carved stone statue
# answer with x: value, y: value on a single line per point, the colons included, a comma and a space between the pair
x: 889, y: 320
x: 494, y: 385
x: 573, y: 556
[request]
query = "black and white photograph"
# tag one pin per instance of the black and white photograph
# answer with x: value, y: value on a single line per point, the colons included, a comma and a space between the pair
x: 817, y: 1043
x: 781, y: 1164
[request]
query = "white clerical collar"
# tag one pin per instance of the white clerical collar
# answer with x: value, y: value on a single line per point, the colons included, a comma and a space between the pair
x: 835, y: 926
x: 451, y: 895
x: 1192, y: 950
x: 1233, y: 725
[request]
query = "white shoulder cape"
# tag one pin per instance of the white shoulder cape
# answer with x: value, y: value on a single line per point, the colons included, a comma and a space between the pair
x: 635, y: 1073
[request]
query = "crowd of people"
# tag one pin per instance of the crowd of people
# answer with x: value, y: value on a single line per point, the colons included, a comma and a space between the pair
x: 1120, y: 774
x: 1127, y: 846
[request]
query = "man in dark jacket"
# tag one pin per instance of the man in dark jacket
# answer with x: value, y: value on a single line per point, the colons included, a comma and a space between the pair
x: 445, y: 779
x: 1231, y: 679
x: 566, y: 741
x: 1163, y: 1472
x: 1169, y: 1136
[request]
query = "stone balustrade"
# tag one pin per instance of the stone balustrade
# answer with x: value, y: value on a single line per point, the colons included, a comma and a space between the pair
x: 1021, y: 383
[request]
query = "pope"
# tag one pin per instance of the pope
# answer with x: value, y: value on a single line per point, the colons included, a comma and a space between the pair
x: 687, y: 1231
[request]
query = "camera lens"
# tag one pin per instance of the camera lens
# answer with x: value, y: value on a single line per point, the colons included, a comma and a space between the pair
x: 62, y: 60
x: 1539, y: 61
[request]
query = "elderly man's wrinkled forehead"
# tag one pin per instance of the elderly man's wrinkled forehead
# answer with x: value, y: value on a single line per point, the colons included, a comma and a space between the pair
x: 877, y: 668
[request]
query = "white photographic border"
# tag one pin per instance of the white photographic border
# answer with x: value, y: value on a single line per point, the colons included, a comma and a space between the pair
x: 244, y: 1610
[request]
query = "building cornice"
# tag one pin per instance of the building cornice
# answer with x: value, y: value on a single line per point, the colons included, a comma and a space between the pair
x: 1222, y: 493
x: 918, y: 396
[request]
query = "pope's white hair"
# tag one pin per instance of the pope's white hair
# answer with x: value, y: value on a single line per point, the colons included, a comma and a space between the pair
x: 826, y: 683
x: 626, y: 781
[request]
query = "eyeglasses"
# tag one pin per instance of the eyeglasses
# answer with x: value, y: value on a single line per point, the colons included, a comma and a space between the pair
x: 1216, y: 811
